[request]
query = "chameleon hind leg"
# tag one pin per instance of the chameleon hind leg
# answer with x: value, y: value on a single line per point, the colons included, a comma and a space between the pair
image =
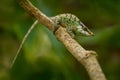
x: 56, y: 26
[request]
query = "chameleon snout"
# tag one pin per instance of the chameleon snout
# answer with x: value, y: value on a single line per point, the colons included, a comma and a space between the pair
x: 92, y: 34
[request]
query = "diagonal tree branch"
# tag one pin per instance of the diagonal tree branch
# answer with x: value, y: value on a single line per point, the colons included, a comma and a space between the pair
x: 42, y: 18
x: 85, y: 57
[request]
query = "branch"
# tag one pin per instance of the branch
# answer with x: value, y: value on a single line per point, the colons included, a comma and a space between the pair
x: 42, y: 18
x: 85, y: 57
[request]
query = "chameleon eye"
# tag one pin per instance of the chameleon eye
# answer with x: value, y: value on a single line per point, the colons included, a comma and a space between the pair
x: 85, y: 29
x: 82, y: 24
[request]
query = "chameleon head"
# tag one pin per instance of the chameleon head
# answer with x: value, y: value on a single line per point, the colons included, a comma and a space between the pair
x: 82, y: 29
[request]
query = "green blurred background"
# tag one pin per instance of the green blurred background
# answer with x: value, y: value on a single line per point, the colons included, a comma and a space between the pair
x: 43, y: 57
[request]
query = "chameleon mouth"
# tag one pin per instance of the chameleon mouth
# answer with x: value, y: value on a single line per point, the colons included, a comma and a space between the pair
x: 91, y: 33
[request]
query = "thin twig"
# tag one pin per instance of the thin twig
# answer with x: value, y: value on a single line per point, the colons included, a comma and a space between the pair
x: 87, y: 58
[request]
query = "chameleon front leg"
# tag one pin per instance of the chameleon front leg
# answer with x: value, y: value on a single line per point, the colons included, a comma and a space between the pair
x: 70, y: 32
x: 57, y: 25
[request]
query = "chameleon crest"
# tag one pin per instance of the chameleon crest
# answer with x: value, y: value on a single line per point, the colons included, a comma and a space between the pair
x: 72, y: 24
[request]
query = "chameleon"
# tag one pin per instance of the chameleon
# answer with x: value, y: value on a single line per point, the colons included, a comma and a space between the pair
x: 70, y: 22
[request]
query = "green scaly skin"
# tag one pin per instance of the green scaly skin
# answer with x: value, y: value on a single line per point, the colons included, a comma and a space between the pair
x: 72, y: 24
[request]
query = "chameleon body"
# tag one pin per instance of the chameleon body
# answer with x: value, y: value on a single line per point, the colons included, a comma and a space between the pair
x: 72, y: 24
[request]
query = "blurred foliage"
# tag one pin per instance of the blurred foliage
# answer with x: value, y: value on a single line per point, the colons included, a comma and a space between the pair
x: 45, y: 58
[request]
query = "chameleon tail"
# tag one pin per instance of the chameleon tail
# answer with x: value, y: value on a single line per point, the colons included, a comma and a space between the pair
x: 23, y: 41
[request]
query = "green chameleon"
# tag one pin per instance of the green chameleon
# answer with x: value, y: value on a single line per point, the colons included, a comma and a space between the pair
x: 72, y: 24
